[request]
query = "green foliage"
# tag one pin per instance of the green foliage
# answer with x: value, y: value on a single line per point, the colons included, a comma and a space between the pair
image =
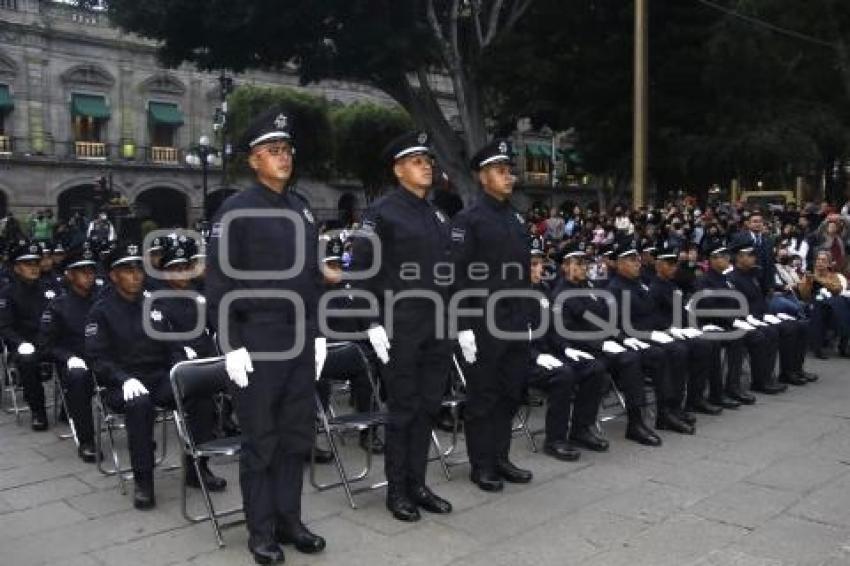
x: 310, y: 122
x: 361, y: 132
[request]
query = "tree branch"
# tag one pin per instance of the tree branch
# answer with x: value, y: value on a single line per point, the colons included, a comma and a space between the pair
x: 519, y: 9
x: 437, y: 29
x: 476, y: 16
x: 453, y: 28
x: 493, y: 24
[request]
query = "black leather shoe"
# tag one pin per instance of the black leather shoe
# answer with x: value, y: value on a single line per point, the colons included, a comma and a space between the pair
x: 213, y: 482
x: 511, y: 473
x: 669, y: 421
x: 725, y: 402
x: 770, y: 389
x: 428, y: 500
x: 742, y: 397
x: 792, y: 379
x: 704, y: 407
x: 402, y: 507
x: 642, y: 434
x: 143, y: 497
x: 87, y: 452
x: 300, y: 536
x: 375, y: 446
x: 39, y: 422
x: 487, y: 480
x: 267, y: 553
x: 808, y: 376
x: 561, y: 450
x: 586, y: 438
x: 321, y: 456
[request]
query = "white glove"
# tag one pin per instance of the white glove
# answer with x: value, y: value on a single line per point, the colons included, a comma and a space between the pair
x: 321, y: 354
x: 659, y: 337
x: 611, y: 347
x: 549, y: 362
x: 754, y: 321
x: 466, y: 339
x: 785, y: 316
x: 635, y: 344
x: 191, y: 354
x: 772, y: 319
x: 741, y: 325
x: 577, y: 355
x: 26, y: 348
x: 133, y: 388
x: 677, y: 333
x: 692, y: 332
x: 76, y: 363
x: 711, y: 328
x: 380, y: 342
x: 238, y: 365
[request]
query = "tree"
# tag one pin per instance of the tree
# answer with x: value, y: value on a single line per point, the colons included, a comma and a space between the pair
x: 310, y: 116
x: 361, y: 131
x: 403, y: 47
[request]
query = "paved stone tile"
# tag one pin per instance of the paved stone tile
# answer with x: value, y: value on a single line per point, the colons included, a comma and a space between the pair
x: 36, y: 494
x: 35, y: 521
x: 652, y: 502
x: 801, y: 473
x: 744, y: 504
x: 794, y: 540
x: 829, y: 504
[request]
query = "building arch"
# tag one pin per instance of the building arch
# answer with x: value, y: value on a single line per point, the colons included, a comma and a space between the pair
x: 166, y: 205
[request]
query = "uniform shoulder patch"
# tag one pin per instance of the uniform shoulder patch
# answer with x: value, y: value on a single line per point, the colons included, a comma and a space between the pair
x: 458, y: 235
x: 91, y: 329
x: 3, y: 303
x: 46, y: 317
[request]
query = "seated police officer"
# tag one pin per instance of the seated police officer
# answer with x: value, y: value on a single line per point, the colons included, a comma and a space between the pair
x: 625, y: 365
x: 62, y: 335
x: 134, y: 368
x: 346, y: 364
x: 22, y: 301
x: 715, y: 287
x: 789, y: 333
x: 703, y: 359
x: 638, y: 313
x: 568, y: 376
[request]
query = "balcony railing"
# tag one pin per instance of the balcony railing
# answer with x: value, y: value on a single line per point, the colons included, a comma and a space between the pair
x: 90, y: 150
x: 536, y: 179
x: 5, y: 144
x: 163, y: 154
x: 9, y: 5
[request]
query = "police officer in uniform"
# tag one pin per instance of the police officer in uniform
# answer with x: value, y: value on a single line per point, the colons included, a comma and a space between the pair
x: 570, y: 377
x: 62, y: 334
x: 762, y: 351
x: 663, y: 353
x: 623, y: 363
x: 134, y: 368
x: 791, y: 334
x: 22, y: 301
x: 703, y: 361
x: 414, y: 242
x: 491, y: 233
x: 275, y: 398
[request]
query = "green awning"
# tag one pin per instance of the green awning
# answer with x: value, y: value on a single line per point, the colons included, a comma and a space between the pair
x: 540, y: 150
x: 90, y: 106
x: 5, y: 99
x: 165, y: 114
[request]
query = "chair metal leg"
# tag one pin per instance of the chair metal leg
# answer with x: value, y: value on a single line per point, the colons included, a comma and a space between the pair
x: 440, y: 455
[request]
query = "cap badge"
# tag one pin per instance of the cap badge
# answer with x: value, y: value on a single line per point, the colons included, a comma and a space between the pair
x: 280, y: 122
x: 503, y: 148
x: 423, y: 138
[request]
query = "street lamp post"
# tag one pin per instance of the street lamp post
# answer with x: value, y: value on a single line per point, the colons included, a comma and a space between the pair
x: 203, y: 155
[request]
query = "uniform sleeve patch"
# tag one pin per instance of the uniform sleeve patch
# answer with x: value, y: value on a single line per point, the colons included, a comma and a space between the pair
x: 458, y: 235
x: 91, y: 329
x: 3, y: 303
x: 46, y: 317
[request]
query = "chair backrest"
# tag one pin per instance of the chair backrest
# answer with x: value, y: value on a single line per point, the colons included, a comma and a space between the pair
x: 199, y: 378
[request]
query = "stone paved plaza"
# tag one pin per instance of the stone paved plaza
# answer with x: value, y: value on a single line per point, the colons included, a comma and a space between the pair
x: 762, y: 486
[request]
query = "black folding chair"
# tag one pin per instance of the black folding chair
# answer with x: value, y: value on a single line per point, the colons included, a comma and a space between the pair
x: 108, y: 421
x: 202, y: 378
x: 335, y: 426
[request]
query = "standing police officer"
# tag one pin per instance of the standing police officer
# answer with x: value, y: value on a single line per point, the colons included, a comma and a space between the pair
x: 263, y: 232
x: 490, y: 234
x: 62, y: 334
x: 414, y: 243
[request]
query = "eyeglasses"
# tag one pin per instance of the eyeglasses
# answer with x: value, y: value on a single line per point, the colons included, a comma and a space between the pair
x: 278, y: 150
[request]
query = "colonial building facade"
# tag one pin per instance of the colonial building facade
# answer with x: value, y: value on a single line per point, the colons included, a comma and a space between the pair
x: 80, y: 101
